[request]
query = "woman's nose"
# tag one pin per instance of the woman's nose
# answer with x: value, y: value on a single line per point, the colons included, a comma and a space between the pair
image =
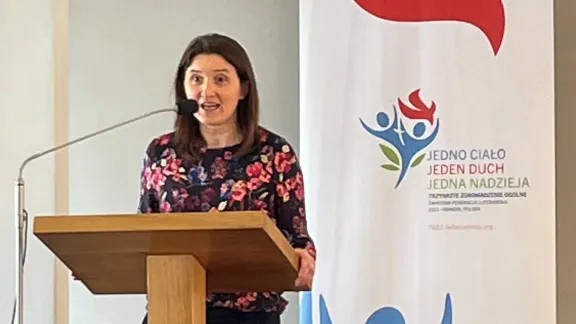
x: 207, y: 89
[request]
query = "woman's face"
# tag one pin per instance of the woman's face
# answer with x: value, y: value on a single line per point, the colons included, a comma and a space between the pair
x: 214, y: 84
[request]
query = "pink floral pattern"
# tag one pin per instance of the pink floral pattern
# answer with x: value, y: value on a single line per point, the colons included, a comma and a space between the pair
x: 268, y: 179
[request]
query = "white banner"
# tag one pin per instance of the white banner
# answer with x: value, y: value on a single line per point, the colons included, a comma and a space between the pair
x: 427, y: 142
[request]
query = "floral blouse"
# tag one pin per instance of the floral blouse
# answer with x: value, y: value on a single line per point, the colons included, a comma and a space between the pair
x: 267, y: 179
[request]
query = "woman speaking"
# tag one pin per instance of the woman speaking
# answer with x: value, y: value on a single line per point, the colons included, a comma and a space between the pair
x: 221, y: 159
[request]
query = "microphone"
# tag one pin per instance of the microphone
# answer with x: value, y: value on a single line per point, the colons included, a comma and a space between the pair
x: 183, y: 108
x: 187, y: 107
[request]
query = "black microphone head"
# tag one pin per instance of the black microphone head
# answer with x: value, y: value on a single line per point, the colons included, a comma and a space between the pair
x: 187, y: 107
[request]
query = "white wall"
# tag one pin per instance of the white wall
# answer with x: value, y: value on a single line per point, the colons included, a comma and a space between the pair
x: 26, y: 126
x: 123, y: 55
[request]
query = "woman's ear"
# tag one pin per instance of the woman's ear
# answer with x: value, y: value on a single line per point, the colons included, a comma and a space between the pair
x: 244, y: 88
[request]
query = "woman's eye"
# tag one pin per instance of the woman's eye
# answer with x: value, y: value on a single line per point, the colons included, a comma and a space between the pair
x: 196, y: 79
x: 221, y: 79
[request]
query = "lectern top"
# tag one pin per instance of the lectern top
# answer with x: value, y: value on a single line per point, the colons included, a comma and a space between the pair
x: 241, y: 251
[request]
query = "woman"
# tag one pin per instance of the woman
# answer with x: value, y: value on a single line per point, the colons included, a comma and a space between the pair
x: 220, y: 159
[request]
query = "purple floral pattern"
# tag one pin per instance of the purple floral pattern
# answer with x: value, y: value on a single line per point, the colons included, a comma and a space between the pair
x: 268, y: 179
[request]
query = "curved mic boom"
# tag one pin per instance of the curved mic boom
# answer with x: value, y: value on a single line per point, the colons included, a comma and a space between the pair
x: 184, y: 107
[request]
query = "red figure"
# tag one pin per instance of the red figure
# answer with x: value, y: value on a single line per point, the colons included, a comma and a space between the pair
x: 487, y: 15
x: 420, y: 110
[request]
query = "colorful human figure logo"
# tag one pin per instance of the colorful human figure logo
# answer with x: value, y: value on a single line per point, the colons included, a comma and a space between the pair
x: 404, y: 147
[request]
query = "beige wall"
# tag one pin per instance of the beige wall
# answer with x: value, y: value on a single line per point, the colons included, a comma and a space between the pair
x: 565, y: 108
x: 26, y: 127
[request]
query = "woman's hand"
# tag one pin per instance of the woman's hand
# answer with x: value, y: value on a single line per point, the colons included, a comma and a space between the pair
x: 306, y: 270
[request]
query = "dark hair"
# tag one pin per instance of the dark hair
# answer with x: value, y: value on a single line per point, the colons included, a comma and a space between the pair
x: 187, y: 128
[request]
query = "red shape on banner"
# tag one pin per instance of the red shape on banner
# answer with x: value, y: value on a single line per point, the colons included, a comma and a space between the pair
x: 420, y: 110
x: 487, y: 15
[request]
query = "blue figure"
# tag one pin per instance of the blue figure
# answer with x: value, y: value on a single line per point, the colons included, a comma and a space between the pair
x: 324, y: 314
x: 396, y: 135
x: 384, y: 315
x: 388, y: 315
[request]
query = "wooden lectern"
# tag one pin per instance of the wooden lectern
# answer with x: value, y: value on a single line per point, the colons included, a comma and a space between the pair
x: 174, y: 258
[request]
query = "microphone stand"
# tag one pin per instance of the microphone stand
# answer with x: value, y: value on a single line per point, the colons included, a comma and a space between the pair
x: 22, y: 214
